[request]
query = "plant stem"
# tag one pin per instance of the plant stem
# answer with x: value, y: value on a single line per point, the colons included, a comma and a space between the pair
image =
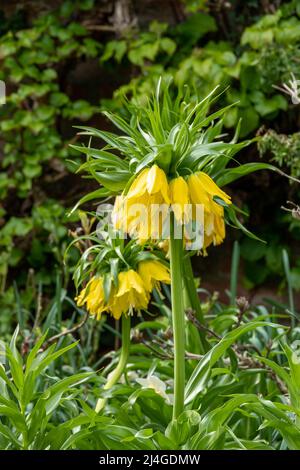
x: 116, y: 374
x: 194, y: 299
x: 178, y: 320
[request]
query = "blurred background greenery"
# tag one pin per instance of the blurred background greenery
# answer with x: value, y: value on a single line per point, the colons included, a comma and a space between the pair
x: 64, y: 61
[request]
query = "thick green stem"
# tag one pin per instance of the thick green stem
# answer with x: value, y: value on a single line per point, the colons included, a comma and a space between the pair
x: 116, y: 374
x: 176, y: 260
x: 194, y: 299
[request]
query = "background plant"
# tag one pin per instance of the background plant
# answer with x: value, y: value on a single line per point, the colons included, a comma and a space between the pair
x: 249, y: 45
x: 35, y: 147
x: 242, y: 394
x: 39, y: 57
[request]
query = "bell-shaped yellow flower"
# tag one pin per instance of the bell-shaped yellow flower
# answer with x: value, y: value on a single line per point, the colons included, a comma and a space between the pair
x: 208, y: 185
x: 144, y: 208
x: 197, y: 194
x: 214, y: 229
x: 93, y: 296
x: 219, y: 230
x: 145, y: 220
x: 118, y: 214
x: 157, y: 183
x: 139, y: 186
x: 130, y: 294
x: 144, y: 212
x: 179, y: 195
x: 149, y: 182
x: 152, y: 273
x: 202, y: 190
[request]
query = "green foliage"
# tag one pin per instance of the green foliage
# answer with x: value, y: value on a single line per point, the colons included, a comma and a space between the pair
x: 32, y: 401
x: 174, y: 130
x: 108, y: 254
x: 33, y: 65
x: 283, y: 149
x: 218, y: 413
x: 261, y: 260
x: 149, y: 46
x: 242, y: 394
x: 267, y: 54
x: 47, y: 230
x: 35, y: 106
x: 36, y: 57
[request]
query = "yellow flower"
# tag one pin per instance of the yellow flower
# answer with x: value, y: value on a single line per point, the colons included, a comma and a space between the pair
x: 93, y: 296
x: 142, y: 211
x: 149, y: 182
x: 197, y: 194
x: 211, y: 188
x: 118, y: 214
x: 179, y: 195
x: 139, y: 186
x: 219, y: 230
x: 152, y: 273
x: 215, y: 233
x: 202, y: 190
x: 157, y: 183
x: 157, y: 385
x: 131, y: 294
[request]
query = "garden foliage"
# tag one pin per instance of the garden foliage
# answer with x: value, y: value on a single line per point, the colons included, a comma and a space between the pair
x: 242, y: 391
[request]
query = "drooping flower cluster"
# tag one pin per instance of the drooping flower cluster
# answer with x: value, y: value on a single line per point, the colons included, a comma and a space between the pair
x: 144, y: 209
x: 131, y: 293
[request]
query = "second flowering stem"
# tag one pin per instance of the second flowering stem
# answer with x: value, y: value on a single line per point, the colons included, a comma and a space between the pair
x: 116, y: 374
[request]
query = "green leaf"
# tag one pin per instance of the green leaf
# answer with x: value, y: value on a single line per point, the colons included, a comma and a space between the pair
x: 168, y: 45
x: 251, y: 250
x: 202, y: 372
x: 249, y: 120
x: 196, y: 26
x: 265, y: 106
x: 113, y: 181
x: 181, y: 429
x: 97, y: 194
x: 232, y: 174
x: 233, y: 219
